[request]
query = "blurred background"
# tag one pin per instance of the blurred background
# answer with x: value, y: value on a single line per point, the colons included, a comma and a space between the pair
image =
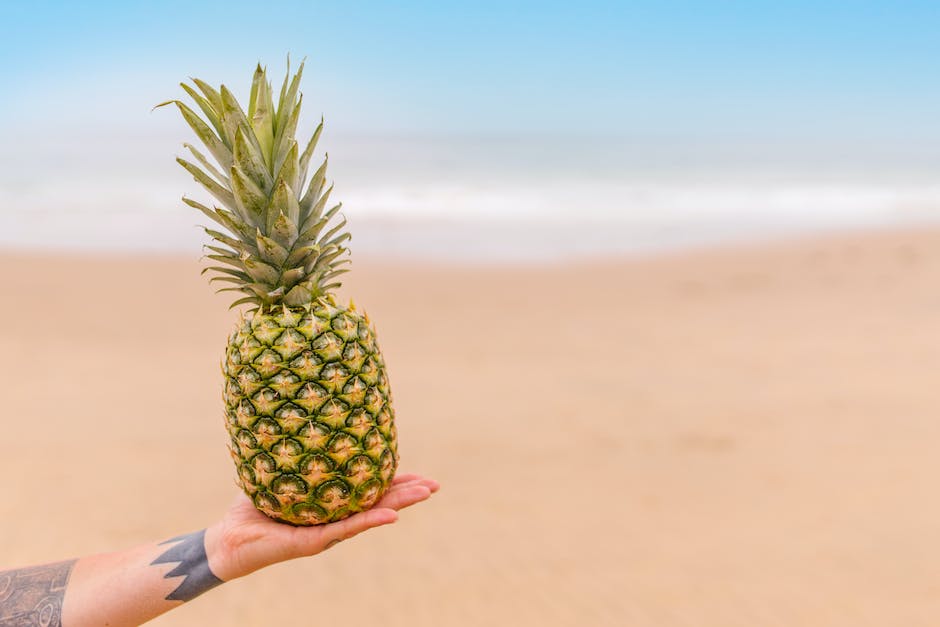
x: 657, y: 283
x: 489, y: 130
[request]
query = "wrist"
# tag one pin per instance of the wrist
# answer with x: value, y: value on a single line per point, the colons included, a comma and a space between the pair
x: 220, y: 553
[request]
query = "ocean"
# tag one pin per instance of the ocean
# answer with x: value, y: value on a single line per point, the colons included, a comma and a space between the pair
x: 493, y: 198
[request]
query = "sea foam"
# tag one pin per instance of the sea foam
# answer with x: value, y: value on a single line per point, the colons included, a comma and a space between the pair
x: 473, y: 198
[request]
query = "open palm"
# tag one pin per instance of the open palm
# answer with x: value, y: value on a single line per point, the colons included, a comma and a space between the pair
x: 247, y: 540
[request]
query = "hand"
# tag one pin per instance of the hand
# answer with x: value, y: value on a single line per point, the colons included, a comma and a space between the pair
x: 246, y: 540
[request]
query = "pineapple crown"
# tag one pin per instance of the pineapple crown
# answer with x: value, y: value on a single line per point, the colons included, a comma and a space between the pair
x: 275, y: 247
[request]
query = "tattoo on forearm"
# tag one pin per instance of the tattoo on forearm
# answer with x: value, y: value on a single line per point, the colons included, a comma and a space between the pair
x: 33, y: 596
x: 190, y: 552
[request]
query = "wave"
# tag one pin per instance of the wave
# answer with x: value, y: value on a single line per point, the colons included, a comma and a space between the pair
x: 478, y: 200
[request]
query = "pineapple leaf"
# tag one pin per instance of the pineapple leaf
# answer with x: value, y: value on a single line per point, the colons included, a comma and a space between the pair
x: 260, y: 271
x: 205, y: 210
x: 324, y: 241
x: 285, y: 136
x: 317, y: 209
x: 216, y: 146
x: 244, y: 301
x: 226, y: 279
x: 256, y: 81
x: 251, y: 162
x: 297, y: 296
x: 299, y: 254
x: 271, y: 251
x: 335, y: 273
x: 228, y: 219
x: 227, y: 259
x: 284, y: 230
x: 287, y: 167
x: 225, y: 252
x: 272, y: 238
x: 311, y: 259
x: 223, y: 218
x: 233, y: 117
x: 311, y: 233
x: 211, y: 113
x: 236, y: 245
x: 280, y: 97
x: 259, y: 290
x: 288, y: 105
x: 269, y: 105
x: 283, y: 202
x: 212, y: 95
x: 325, y: 258
x: 223, y: 195
x: 308, y: 151
x: 248, y: 196
x: 333, y: 210
x: 262, y: 119
x: 336, y: 241
x: 313, y: 190
x: 290, y: 278
x: 236, y: 274
x: 211, y: 169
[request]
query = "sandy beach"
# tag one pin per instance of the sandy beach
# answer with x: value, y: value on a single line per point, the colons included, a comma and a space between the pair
x: 730, y: 437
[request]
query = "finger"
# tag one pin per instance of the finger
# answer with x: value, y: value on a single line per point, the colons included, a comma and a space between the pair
x: 401, y: 498
x: 414, y: 484
x: 430, y: 484
x: 335, y: 533
x: 404, y: 477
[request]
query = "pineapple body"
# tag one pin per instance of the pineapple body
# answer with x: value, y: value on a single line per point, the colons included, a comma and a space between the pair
x: 308, y: 409
x: 307, y: 403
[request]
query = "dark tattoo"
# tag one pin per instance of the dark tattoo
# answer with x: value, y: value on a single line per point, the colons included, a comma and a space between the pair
x: 33, y: 596
x: 190, y: 552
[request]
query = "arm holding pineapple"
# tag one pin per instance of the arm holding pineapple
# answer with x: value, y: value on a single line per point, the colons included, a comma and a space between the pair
x: 135, y: 585
x: 307, y: 401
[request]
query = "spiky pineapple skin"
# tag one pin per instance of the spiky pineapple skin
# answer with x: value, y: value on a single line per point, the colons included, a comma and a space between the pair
x: 308, y: 409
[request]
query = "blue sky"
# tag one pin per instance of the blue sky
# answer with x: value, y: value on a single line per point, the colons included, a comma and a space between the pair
x: 830, y: 70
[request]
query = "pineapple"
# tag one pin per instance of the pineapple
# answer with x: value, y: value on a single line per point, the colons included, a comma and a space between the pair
x: 307, y: 402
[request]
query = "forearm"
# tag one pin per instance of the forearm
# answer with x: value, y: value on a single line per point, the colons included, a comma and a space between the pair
x: 131, y: 587
x: 123, y: 588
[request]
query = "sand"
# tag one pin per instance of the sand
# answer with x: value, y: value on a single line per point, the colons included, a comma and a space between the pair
x: 746, y: 436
